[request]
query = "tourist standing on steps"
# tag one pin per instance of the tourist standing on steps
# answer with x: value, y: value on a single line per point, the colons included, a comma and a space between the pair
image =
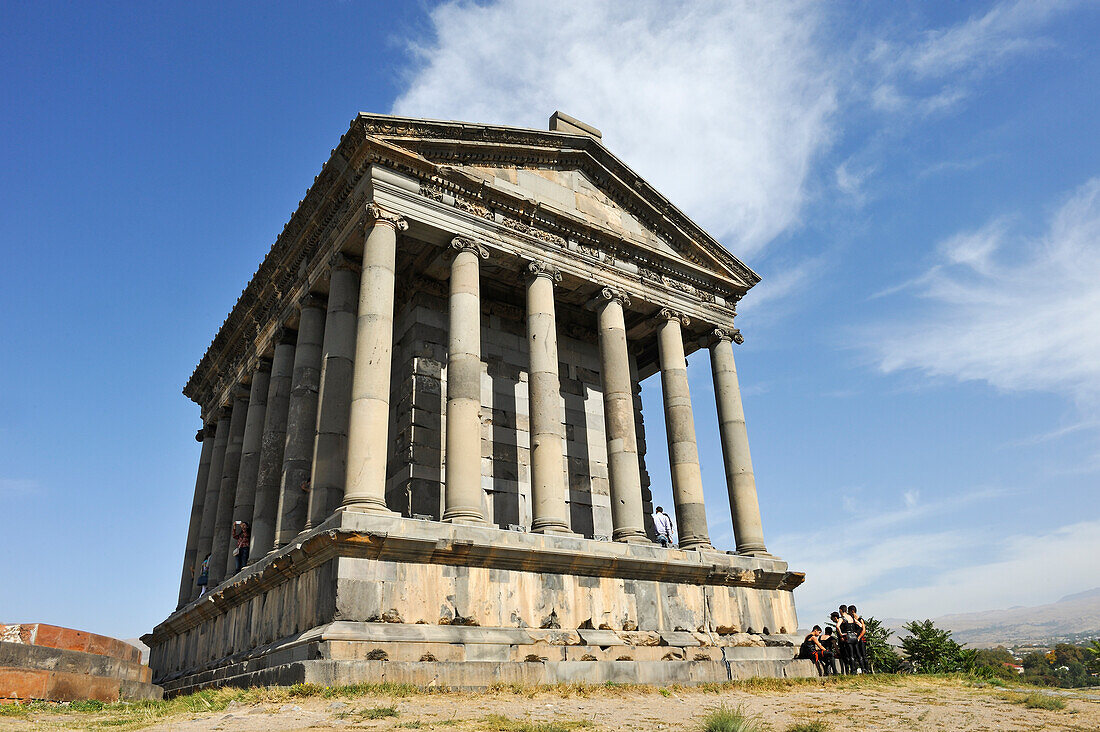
x: 663, y: 524
x: 243, y: 535
x: 204, y: 575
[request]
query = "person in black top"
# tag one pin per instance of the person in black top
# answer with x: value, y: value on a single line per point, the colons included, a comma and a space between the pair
x: 828, y: 640
x: 862, y: 655
x: 842, y: 647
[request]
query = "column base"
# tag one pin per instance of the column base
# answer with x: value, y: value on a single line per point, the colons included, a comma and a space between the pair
x: 550, y: 526
x: 752, y: 552
x: 696, y: 544
x: 366, y: 505
x: 464, y: 516
x: 630, y: 536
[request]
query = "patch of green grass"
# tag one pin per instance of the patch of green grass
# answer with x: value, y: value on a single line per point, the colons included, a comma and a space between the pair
x: 409, y: 725
x: 665, y: 692
x: 1042, y: 701
x: 816, y: 726
x: 86, y: 705
x: 726, y: 719
x: 14, y: 710
x: 377, y: 712
x: 500, y: 723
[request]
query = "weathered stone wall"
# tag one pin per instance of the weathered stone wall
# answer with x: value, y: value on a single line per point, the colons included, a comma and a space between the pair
x: 419, y: 396
x: 363, y: 588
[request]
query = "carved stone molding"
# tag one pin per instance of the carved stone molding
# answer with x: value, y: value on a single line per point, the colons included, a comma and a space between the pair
x: 378, y: 215
x: 544, y: 269
x: 462, y: 244
x: 666, y: 314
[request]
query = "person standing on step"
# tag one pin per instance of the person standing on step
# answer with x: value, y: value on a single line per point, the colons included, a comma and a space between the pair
x: 663, y: 525
x: 242, y: 534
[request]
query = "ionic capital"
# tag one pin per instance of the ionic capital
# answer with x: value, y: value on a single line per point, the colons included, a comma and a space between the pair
x: 543, y: 269
x: 377, y: 215
x: 285, y: 336
x: 201, y: 434
x: 607, y: 295
x: 462, y: 244
x: 725, y: 334
x: 666, y: 314
x: 311, y: 300
x: 339, y: 260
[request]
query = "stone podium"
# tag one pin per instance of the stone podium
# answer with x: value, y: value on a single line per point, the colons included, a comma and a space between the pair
x: 425, y: 403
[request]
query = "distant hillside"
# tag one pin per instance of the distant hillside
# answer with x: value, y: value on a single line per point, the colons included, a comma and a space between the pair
x: 1073, y: 615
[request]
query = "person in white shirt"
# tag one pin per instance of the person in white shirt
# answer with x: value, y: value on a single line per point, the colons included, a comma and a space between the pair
x: 663, y: 524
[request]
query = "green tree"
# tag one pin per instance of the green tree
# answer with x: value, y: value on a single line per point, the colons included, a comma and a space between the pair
x: 1092, y: 660
x: 931, y: 650
x: 884, y: 659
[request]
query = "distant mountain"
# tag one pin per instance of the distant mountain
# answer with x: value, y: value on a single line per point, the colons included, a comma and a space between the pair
x: 1071, y: 617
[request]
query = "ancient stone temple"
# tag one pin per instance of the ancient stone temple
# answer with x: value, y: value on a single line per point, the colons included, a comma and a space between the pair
x: 425, y: 403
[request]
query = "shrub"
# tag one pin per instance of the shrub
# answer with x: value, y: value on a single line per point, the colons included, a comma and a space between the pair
x: 724, y: 719
x: 816, y: 726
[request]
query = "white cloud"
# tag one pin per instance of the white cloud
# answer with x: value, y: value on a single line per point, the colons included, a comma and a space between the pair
x: 723, y: 106
x: 1019, y: 313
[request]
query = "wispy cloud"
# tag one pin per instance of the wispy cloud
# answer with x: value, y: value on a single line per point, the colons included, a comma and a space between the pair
x: 937, y: 71
x: 725, y: 107
x: 1021, y: 313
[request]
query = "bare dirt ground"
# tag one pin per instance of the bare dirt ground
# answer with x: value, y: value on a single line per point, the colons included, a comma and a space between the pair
x: 907, y: 703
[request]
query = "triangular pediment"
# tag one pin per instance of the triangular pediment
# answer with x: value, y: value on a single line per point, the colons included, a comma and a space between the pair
x: 572, y: 175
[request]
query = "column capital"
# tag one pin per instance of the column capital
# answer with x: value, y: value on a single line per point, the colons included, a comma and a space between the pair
x: 724, y: 334
x: 201, y: 434
x: 666, y: 314
x: 285, y: 335
x: 606, y: 295
x: 543, y: 269
x: 263, y: 365
x: 241, y: 391
x: 339, y: 260
x: 311, y: 300
x: 378, y: 215
x: 222, y: 412
x: 462, y: 244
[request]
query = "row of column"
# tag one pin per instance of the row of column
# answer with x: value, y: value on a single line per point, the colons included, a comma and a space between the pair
x: 312, y: 429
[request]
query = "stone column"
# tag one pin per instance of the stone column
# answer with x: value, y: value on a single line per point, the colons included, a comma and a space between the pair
x: 248, y: 475
x: 747, y: 527
x: 463, y: 495
x: 369, y: 418
x: 270, y: 476
x: 213, y: 488
x: 223, y: 519
x: 187, y: 582
x: 548, y: 508
x: 330, y: 451
x: 683, y: 452
x: 624, y: 471
x: 301, y: 423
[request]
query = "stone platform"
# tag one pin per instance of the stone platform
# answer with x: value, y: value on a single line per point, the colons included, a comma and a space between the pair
x: 372, y: 598
x: 46, y: 662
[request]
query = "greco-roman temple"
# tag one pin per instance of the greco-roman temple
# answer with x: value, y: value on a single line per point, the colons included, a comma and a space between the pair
x: 426, y: 404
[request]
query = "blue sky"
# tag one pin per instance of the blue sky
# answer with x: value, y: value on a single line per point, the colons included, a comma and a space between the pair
x: 917, y: 183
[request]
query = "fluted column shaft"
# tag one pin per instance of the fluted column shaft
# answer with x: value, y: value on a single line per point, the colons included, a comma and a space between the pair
x: 223, y: 521
x: 248, y: 474
x: 187, y: 581
x: 273, y: 442
x: 548, y: 507
x: 748, y: 529
x: 464, y: 498
x: 683, y: 451
x: 369, y: 418
x: 210, y: 500
x: 301, y: 424
x: 624, y: 471
x: 330, y: 449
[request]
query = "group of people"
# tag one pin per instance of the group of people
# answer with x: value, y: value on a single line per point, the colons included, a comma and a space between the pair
x: 844, y: 639
x: 242, y: 540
